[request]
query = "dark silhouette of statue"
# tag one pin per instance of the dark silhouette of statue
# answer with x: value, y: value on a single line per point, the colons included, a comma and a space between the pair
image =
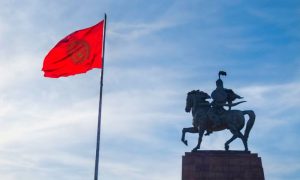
x: 221, y: 97
x: 214, y: 116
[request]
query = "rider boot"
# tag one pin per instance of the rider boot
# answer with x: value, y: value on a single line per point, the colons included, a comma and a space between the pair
x: 208, y: 132
x: 214, y: 126
x: 212, y: 116
x: 215, y: 123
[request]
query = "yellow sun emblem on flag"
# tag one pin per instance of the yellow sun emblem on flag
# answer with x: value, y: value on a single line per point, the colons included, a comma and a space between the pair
x: 78, y: 51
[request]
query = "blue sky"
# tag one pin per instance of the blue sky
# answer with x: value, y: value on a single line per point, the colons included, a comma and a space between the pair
x: 156, y: 51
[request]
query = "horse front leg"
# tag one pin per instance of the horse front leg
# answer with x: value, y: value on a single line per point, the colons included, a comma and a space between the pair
x: 189, y: 130
x: 201, y: 132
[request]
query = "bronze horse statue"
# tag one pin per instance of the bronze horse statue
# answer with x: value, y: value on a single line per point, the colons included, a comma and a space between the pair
x: 233, y: 120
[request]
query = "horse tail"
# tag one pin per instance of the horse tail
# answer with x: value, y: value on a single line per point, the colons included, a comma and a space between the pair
x: 250, y: 122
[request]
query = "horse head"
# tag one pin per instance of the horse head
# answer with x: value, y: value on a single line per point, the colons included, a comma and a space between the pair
x: 192, y: 97
x: 189, y: 101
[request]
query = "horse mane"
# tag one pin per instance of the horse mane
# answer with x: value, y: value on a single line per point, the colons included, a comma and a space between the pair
x: 194, y: 91
x: 200, y: 93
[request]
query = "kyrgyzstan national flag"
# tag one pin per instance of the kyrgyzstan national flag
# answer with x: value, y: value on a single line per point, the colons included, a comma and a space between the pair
x: 77, y: 53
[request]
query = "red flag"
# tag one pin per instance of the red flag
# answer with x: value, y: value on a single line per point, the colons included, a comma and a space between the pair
x: 77, y: 53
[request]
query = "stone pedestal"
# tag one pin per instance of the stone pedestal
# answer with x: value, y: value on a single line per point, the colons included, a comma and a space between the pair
x: 221, y: 165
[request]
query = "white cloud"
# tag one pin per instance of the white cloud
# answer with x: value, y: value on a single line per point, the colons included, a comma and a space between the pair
x: 279, y: 98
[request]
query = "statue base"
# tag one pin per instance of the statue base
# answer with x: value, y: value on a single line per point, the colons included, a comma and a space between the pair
x: 221, y: 165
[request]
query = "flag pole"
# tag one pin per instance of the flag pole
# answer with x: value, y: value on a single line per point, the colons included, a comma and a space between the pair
x: 100, y: 106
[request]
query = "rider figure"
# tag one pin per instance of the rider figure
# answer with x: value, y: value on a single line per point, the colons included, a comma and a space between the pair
x: 221, y: 97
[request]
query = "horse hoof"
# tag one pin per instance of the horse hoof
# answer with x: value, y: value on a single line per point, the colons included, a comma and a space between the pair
x: 226, y: 147
x: 185, y: 142
x: 195, y: 149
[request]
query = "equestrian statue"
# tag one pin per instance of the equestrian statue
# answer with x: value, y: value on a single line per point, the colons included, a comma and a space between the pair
x: 217, y: 115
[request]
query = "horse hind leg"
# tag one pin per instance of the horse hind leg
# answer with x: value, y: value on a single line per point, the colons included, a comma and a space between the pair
x: 229, y: 141
x: 249, y: 125
x: 236, y: 134
x: 244, y: 140
x: 189, y: 130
